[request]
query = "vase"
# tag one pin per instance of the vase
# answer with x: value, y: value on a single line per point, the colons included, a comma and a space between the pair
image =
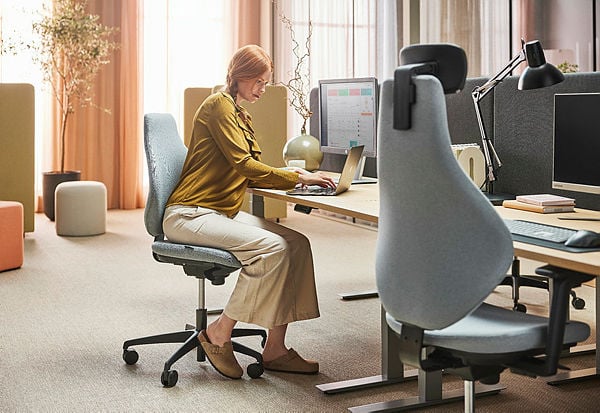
x: 50, y: 181
x: 304, y: 151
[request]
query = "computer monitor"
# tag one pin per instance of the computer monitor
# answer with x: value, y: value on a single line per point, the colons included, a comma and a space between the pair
x: 348, y: 116
x: 576, y: 144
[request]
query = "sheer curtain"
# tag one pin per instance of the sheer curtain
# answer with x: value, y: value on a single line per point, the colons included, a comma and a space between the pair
x: 188, y: 43
x: 106, y: 147
x: 351, y: 38
x: 480, y: 27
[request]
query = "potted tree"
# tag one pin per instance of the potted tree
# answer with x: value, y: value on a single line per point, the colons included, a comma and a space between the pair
x: 70, y: 46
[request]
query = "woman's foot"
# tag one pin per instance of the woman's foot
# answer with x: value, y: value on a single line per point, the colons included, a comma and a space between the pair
x: 221, y: 357
x: 292, y: 362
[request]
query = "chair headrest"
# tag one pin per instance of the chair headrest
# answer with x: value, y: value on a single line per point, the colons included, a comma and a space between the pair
x: 445, y: 61
x: 450, y: 63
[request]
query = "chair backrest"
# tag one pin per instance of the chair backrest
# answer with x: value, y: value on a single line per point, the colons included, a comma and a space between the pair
x: 441, y: 246
x: 165, y: 154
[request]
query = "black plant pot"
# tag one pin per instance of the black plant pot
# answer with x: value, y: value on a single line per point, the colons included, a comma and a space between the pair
x: 50, y: 182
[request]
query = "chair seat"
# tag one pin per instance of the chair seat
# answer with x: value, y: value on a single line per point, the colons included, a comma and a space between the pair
x: 495, y: 330
x: 191, y: 253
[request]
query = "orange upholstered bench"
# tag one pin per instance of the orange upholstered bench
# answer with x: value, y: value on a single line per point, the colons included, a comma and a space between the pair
x: 11, y: 235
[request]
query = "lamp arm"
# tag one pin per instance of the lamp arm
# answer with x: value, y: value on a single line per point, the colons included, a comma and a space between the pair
x: 478, y: 94
x: 488, y: 148
x: 481, y: 91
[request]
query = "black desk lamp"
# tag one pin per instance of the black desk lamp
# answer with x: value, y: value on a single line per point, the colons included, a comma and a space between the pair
x: 536, y: 75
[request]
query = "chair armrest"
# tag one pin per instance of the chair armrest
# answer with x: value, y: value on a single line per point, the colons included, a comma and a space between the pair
x: 563, y: 281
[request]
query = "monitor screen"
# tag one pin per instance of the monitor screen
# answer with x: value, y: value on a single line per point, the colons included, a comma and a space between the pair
x: 348, y: 115
x: 576, y: 165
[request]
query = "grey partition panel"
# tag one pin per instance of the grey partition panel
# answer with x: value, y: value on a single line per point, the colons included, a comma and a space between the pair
x: 523, y: 134
x: 462, y: 120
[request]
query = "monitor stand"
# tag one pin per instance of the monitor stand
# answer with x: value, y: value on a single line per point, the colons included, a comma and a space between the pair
x: 358, y: 175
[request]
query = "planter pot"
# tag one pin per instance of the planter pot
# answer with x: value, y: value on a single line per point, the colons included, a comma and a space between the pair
x: 50, y: 182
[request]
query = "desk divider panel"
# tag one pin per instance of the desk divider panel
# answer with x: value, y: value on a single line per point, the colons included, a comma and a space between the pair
x: 17, y: 131
x: 523, y: 136
x: 192, y: 99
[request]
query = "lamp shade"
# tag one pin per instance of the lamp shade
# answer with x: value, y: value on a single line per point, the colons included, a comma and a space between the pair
x: 538, y: 72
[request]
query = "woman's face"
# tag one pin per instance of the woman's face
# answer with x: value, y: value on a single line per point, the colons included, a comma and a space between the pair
x: 252, y: 89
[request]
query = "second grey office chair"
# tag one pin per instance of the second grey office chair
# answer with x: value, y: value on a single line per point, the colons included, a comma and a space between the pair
x: 165, y: 153
x: 442, y: 248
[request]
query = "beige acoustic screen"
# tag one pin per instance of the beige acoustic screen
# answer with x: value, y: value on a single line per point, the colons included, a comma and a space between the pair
x: 17, y: 165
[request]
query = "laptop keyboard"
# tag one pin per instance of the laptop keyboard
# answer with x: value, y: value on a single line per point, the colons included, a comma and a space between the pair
x: 313, y: 189
x: 539, y: 231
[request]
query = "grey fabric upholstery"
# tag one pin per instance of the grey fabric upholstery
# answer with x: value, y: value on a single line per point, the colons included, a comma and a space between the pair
x: 442, y: 249
x: 494, y: 330
x: 433, y: 221
x: 194, y: 253
x: 165, y: 153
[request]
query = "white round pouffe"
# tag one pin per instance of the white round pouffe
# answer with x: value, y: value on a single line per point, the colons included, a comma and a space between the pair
x: 80, y: 208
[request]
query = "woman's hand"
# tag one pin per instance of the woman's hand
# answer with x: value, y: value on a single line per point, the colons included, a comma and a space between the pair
x: 317, y: 178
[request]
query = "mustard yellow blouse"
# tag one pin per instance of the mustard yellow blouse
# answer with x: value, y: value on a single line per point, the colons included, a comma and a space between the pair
x: 223, y: 159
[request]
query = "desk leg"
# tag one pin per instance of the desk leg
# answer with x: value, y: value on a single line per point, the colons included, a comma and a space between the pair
x: 392, y: 370
x: 583, y: 374
x: 258, y: 206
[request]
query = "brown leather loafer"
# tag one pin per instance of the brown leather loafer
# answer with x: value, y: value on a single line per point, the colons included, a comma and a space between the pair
x: 292, y: 362
x: 221, y: 358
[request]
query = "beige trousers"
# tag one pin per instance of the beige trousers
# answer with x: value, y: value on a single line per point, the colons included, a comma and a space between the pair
x: 276, y: 284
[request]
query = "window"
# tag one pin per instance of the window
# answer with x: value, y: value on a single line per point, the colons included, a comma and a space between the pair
x: 343, y: 44
x: 187, y: 43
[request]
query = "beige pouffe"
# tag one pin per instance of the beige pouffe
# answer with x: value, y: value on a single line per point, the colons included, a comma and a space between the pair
x: 80, y: 208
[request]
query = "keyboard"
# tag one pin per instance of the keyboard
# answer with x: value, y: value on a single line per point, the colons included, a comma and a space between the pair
x: 539, y: 231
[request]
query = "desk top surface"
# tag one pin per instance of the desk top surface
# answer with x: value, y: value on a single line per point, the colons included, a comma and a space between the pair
x: 362, y: 202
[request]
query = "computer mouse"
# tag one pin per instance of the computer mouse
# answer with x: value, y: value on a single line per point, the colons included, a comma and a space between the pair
x: 584, y: 239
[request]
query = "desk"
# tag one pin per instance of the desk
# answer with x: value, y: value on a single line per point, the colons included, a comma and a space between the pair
x: 587, y: 262
x: 362, y: 201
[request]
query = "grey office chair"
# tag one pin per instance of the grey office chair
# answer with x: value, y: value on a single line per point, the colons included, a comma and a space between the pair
x: 442, y: 248
x: 165, y: 153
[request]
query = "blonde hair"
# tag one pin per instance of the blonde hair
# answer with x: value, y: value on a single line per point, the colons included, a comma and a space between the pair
x: 249, y: 62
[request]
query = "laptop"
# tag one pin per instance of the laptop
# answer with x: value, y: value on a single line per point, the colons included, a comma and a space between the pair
x: 346, y: 177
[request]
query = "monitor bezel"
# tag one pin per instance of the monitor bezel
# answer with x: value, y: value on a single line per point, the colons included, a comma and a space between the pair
x: 559, y: 184
x: 325, y: 148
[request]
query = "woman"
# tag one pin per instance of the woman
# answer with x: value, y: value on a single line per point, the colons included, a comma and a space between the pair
x: 276, y: 284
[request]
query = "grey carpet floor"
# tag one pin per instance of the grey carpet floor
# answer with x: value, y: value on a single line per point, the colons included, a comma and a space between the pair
x: 65, y: 314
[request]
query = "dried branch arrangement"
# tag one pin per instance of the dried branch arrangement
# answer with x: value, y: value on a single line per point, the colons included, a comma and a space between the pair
x: 298, y: 85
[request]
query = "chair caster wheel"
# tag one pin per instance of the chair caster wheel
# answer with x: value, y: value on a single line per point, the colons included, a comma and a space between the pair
x: 578, y: 303
x: 130, y: 356
x: 520, y: 308
x: 255, y: 370
x: 168, y: 378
